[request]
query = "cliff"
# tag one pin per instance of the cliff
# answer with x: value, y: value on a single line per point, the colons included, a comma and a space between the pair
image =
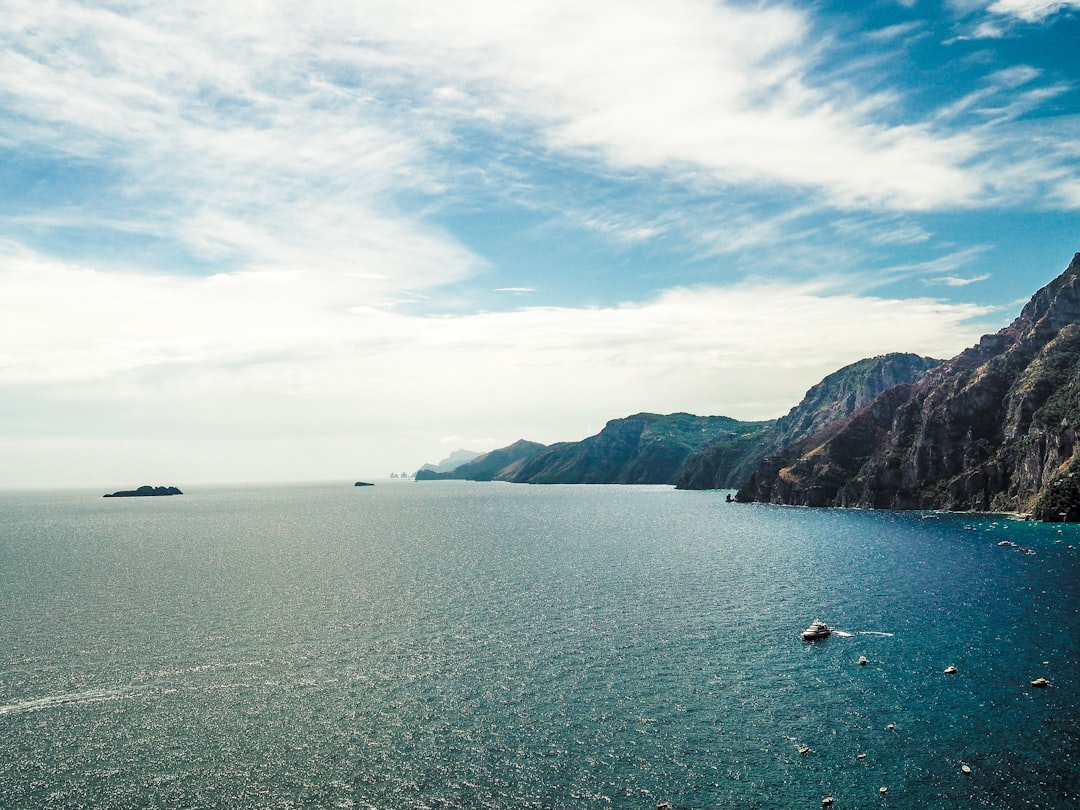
x: 729, y: 462
x: 992, y: 429
x: 645, y: 448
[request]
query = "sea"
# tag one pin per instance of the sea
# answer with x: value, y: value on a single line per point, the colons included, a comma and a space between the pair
x: 453, y: 644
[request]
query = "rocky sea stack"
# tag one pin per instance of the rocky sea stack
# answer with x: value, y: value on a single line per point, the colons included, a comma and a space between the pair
x: 993, y: 429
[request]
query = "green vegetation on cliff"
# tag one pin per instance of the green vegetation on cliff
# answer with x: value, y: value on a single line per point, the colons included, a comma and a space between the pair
x: 645, y: 448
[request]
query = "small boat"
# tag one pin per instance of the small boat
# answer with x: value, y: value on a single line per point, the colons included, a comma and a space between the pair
x: 950, y: 670
x: 817, y: 629
x: 1041, y: 683
x: 862, y: 661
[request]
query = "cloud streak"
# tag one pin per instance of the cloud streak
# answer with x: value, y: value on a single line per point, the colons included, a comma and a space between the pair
x: 1031, y: 11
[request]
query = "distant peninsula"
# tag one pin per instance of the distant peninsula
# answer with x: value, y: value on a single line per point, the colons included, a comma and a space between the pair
x: 143, y: 492
x: 363, y: 484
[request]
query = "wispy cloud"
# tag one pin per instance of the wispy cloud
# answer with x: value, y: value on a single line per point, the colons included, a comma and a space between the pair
x: 264, y: 141
x: 1031, y: 10
x: 957, y: 281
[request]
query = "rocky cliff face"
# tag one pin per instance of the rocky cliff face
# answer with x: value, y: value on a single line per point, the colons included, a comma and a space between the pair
x: 728, y: 463
x: 993, y: 429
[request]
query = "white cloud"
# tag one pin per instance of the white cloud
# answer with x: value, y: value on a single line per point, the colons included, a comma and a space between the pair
x: 957, y: 281
x: 233, y: 360
x: 688, y: 86
x: 1067, y: 193
x: 987, y: 30
x: 286, y: 139
x: 279, y: 120
x: 1032, y: 10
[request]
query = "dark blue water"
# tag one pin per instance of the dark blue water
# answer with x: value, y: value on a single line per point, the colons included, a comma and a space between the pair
x: 453, y: 645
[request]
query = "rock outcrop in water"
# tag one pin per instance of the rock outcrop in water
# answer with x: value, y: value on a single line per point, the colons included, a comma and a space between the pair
x: 144, y: 491
x: 993, y: 429
x: 729, y: 462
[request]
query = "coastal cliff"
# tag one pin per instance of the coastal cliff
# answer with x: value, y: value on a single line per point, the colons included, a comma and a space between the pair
x: 729, y: 462
x: 645, y: 448
x: 993, y: 429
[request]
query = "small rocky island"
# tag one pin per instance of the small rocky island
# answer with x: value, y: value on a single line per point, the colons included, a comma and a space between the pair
x: 363, y: 484
x: 144, y: 491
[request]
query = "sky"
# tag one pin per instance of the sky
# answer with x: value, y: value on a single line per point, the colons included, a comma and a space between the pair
x: 332, y: 240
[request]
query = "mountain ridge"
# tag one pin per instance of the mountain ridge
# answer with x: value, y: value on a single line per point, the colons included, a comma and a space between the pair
x: 724, y: 465
x: 992, y: 429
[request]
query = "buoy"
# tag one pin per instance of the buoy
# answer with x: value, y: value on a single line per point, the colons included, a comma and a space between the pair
x: 890, y: 727
x: 950, y: 670
x: 862, y: 661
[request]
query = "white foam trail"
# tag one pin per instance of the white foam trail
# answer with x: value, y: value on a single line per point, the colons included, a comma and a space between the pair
x: 52, y: 701
x: 849, y: 634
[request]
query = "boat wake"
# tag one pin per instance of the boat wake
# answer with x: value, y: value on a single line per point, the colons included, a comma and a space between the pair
x: 850, y: 633
x: 52, y: 701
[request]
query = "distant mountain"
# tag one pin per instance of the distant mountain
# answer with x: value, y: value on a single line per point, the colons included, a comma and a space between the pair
x: 993, y: 429
x: 451, y: 462
x: 487, y: 466
x: 729, y: 462
x: 645, y: 448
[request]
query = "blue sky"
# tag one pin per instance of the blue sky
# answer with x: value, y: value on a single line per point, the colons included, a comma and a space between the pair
x: 338, y: 239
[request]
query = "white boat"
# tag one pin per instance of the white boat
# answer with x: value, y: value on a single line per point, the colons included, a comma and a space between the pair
x: 817, y: 629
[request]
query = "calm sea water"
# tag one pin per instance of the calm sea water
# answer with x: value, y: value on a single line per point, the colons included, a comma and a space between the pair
x: 460, y: 645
